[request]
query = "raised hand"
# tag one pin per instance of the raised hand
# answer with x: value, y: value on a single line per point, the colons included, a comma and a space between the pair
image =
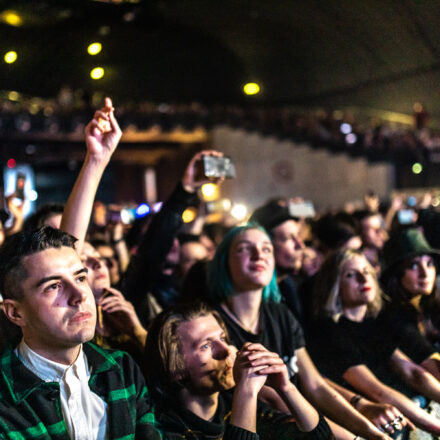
x: 103, y: 133
x: 121, y: 314
x: 247, y: 377
x: 269, y: 364
x: 190, y: 180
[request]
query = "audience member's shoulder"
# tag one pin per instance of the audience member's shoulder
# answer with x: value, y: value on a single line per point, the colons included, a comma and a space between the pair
x: 106, y: 358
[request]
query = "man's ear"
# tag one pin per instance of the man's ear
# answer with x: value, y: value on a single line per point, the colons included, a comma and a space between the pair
x: 13, y: 312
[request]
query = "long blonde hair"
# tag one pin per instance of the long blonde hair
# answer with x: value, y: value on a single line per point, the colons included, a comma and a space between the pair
x: 327, y: 300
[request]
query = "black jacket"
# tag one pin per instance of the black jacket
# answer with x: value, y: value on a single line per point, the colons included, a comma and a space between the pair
x: 176, y: 422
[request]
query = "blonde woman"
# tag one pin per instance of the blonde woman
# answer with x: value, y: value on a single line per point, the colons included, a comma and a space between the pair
x: 351, y: 344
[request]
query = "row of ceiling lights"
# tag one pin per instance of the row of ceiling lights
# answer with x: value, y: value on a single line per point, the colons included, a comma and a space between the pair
x: 13, y: 19
x: 98, y: 72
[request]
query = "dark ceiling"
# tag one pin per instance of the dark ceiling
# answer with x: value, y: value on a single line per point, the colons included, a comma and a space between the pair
x: 380, y: 54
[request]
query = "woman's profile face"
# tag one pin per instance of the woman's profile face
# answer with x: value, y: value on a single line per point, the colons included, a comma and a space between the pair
x: 357, y: 285
x: 419, y: 276
x: 251, y: 260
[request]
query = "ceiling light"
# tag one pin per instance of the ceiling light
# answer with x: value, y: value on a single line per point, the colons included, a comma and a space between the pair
x: 94, y: 48
x: 251, y: 88
x: 10, y: 57
x: 97, y: 73
x: 11, y: 18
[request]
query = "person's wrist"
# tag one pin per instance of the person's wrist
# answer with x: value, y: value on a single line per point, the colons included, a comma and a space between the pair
x: 287, y: 388
x: 189, y: 187
x: 97, y: 160
x: 246, y: 391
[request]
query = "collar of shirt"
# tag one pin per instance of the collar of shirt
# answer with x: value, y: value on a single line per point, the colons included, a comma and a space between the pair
x: 51, y: 371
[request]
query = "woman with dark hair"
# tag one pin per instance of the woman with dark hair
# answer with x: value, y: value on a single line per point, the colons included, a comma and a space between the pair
x: 243, y: 288
x: 352, y: 345
x: 409, y: 279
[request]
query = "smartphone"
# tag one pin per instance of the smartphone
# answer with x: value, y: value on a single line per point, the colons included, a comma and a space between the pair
x: 215, y: 167
x: 405, y: 216
x: 19, y: 186
x: 302, y: 209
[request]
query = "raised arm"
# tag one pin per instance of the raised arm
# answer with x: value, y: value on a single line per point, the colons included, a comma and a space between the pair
x: 102, y: 135
x: 148, y: 263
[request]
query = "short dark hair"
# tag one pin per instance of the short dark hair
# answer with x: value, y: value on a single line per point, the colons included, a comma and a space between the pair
x: 20, y: 245
x: 38, y: 218
x: 163, y: 363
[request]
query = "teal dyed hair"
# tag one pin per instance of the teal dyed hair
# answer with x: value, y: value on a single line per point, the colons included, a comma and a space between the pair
x: 219, y: 276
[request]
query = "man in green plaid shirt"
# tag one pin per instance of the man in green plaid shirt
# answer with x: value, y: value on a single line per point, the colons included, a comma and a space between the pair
x: 55, y: 384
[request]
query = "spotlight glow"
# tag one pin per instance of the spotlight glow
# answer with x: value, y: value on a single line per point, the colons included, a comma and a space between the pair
x: 11, y: 17
x: 251, y: 89
x: 210, y: 191
x: 157, y: 206
x: 13, y: 95
x: 10, y: 57
x: 417, y: 168
x: 32, y: 195
x: 239, y: 212
x: 189, y: 215
x: 142, y: 210
x: 345, y: 128
x: 351, y: 138
x: 94, y: 48
x: 97, y: 73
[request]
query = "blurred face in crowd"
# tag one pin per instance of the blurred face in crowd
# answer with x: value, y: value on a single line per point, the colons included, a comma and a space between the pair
x: 288, y: 245
x: 57, y: 311
x: 54, y: 221
x: 311, y: 261
x: 191, y: 253
x: 209, y: 246
x: 107, y: 254
x: 373, y: 234
x: 357, y: 285
x: 98, y: 275
x: 207, y: 357
x: 419, y: 276
x: 251, y: 260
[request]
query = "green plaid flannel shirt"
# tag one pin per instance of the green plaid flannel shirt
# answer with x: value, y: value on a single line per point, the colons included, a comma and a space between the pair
x: 31, y: 409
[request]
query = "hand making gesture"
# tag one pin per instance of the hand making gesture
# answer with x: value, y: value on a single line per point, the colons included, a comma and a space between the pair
x: 103, y: 133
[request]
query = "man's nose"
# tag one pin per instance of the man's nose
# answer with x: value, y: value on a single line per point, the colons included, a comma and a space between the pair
x: 299, y: 244
x: 77, y: 293
x: 222, y: 350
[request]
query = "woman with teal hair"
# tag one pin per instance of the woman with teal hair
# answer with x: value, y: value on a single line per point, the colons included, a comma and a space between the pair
x: 242, y: 282
x: 219, y: 274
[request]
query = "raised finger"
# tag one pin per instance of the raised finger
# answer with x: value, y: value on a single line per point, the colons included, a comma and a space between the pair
x: 258, y: 354
x: 252, y: 346
x: 272, y: 369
